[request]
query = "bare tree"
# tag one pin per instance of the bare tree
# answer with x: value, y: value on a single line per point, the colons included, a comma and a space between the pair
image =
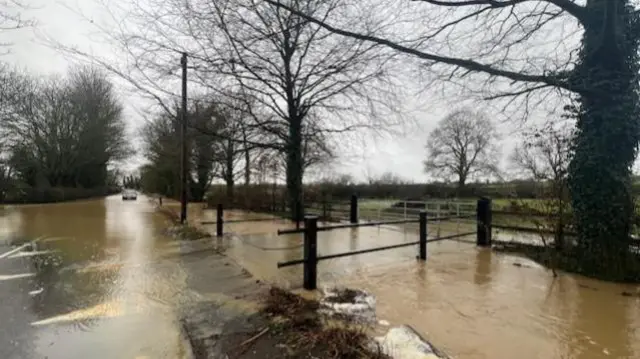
x: 523, y: 50
x: 544, y: 156
x: 225, y: 144
x: 232, y: 148
x: 338, y: 179
x: 6, y: 172
x: 462, y: 146
x: 386, y: 178
x: 287, y: 65
x: 295, y: 68
x: 544, y: 153
x: 267, y: 166
x: 237, y: 140
x: 162, y: 149
x: 318, y: 147
x: 11, y: 18
x: 65, y: 131
x: 205, y: 151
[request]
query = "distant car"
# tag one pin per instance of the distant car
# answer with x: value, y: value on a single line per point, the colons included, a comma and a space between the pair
x: 129, y: 195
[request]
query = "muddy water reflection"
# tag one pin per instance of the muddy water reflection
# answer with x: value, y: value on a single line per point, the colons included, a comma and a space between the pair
x: 98, y: 288
x: 473, y: 303
x: 492, y: 309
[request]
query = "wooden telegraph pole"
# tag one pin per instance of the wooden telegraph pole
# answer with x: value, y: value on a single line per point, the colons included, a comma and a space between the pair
x: 184, y: 171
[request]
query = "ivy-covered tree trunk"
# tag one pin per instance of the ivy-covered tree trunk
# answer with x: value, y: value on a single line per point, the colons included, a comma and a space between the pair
x: 607, y: 137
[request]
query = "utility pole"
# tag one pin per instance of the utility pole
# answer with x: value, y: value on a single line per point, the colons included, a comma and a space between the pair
x: 184, y: 171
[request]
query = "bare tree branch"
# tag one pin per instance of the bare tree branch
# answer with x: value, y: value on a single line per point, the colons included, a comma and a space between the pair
x: 557, y: 79
x: 566, y: 5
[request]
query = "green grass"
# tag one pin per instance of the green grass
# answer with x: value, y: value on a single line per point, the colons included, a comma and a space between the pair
x: 498, y: 203
x: 533, y: 203
x: 378, y: 210
x: 374, y: 204
x: 371, y: 207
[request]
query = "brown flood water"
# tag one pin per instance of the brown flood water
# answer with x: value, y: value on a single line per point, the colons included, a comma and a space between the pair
x: 94, y: 286
x: 470, y: 302
x: 99, y: 285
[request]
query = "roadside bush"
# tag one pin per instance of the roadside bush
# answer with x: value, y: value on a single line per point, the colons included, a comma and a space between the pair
x: 421, y: 191
x: 258, y: 197
x: 268, y: 197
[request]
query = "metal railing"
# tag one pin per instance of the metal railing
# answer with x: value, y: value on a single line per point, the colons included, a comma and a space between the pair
x: 310, y: 243
x: 220, y: 221
x: 410, y: 212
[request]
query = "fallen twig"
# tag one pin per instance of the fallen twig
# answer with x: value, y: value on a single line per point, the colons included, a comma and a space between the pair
x: 242, y: 347
x: 263, y: 332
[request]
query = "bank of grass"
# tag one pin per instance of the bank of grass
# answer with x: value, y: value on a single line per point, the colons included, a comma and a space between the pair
x: 297, y: 330
x: 183, y: 232
x: 374, y: 204
x: 569, y: 261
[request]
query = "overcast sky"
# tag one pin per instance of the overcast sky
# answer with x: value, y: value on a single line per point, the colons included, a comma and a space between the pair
x: 402, y: 154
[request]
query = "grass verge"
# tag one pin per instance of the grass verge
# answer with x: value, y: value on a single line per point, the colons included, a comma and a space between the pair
x: 568, y: 261
x: 183, y: 232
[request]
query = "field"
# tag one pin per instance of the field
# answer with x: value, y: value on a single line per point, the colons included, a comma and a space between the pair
x: 370, y: 206
x: 381, y: 209
x: 499, y: 204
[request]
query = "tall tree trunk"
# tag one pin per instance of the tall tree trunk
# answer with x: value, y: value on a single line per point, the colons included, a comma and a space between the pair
x: 607, y: 139
x: 460, y: 186
x: 247, y: 157
x: 294, y: 148
x: 230, y: 181
x: 247, y: 166
x: 230, y: 186
x: 294, y: 168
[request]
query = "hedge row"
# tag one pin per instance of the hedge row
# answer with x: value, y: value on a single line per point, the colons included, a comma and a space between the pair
x: 54, y: 194
x: 268, y: 195
x: 273, y: 198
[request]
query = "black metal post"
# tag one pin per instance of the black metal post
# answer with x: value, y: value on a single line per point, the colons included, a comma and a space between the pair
x: 354, y: 209
x: 183, y: 139
x: 484, y: 222
x: 219, y: 220
x: 423, y: 235
x: 310, y: 252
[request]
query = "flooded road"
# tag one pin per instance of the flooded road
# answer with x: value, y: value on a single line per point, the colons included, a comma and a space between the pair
x: 99, y: 283
x: 85, y: 280
x: 470, y: 302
